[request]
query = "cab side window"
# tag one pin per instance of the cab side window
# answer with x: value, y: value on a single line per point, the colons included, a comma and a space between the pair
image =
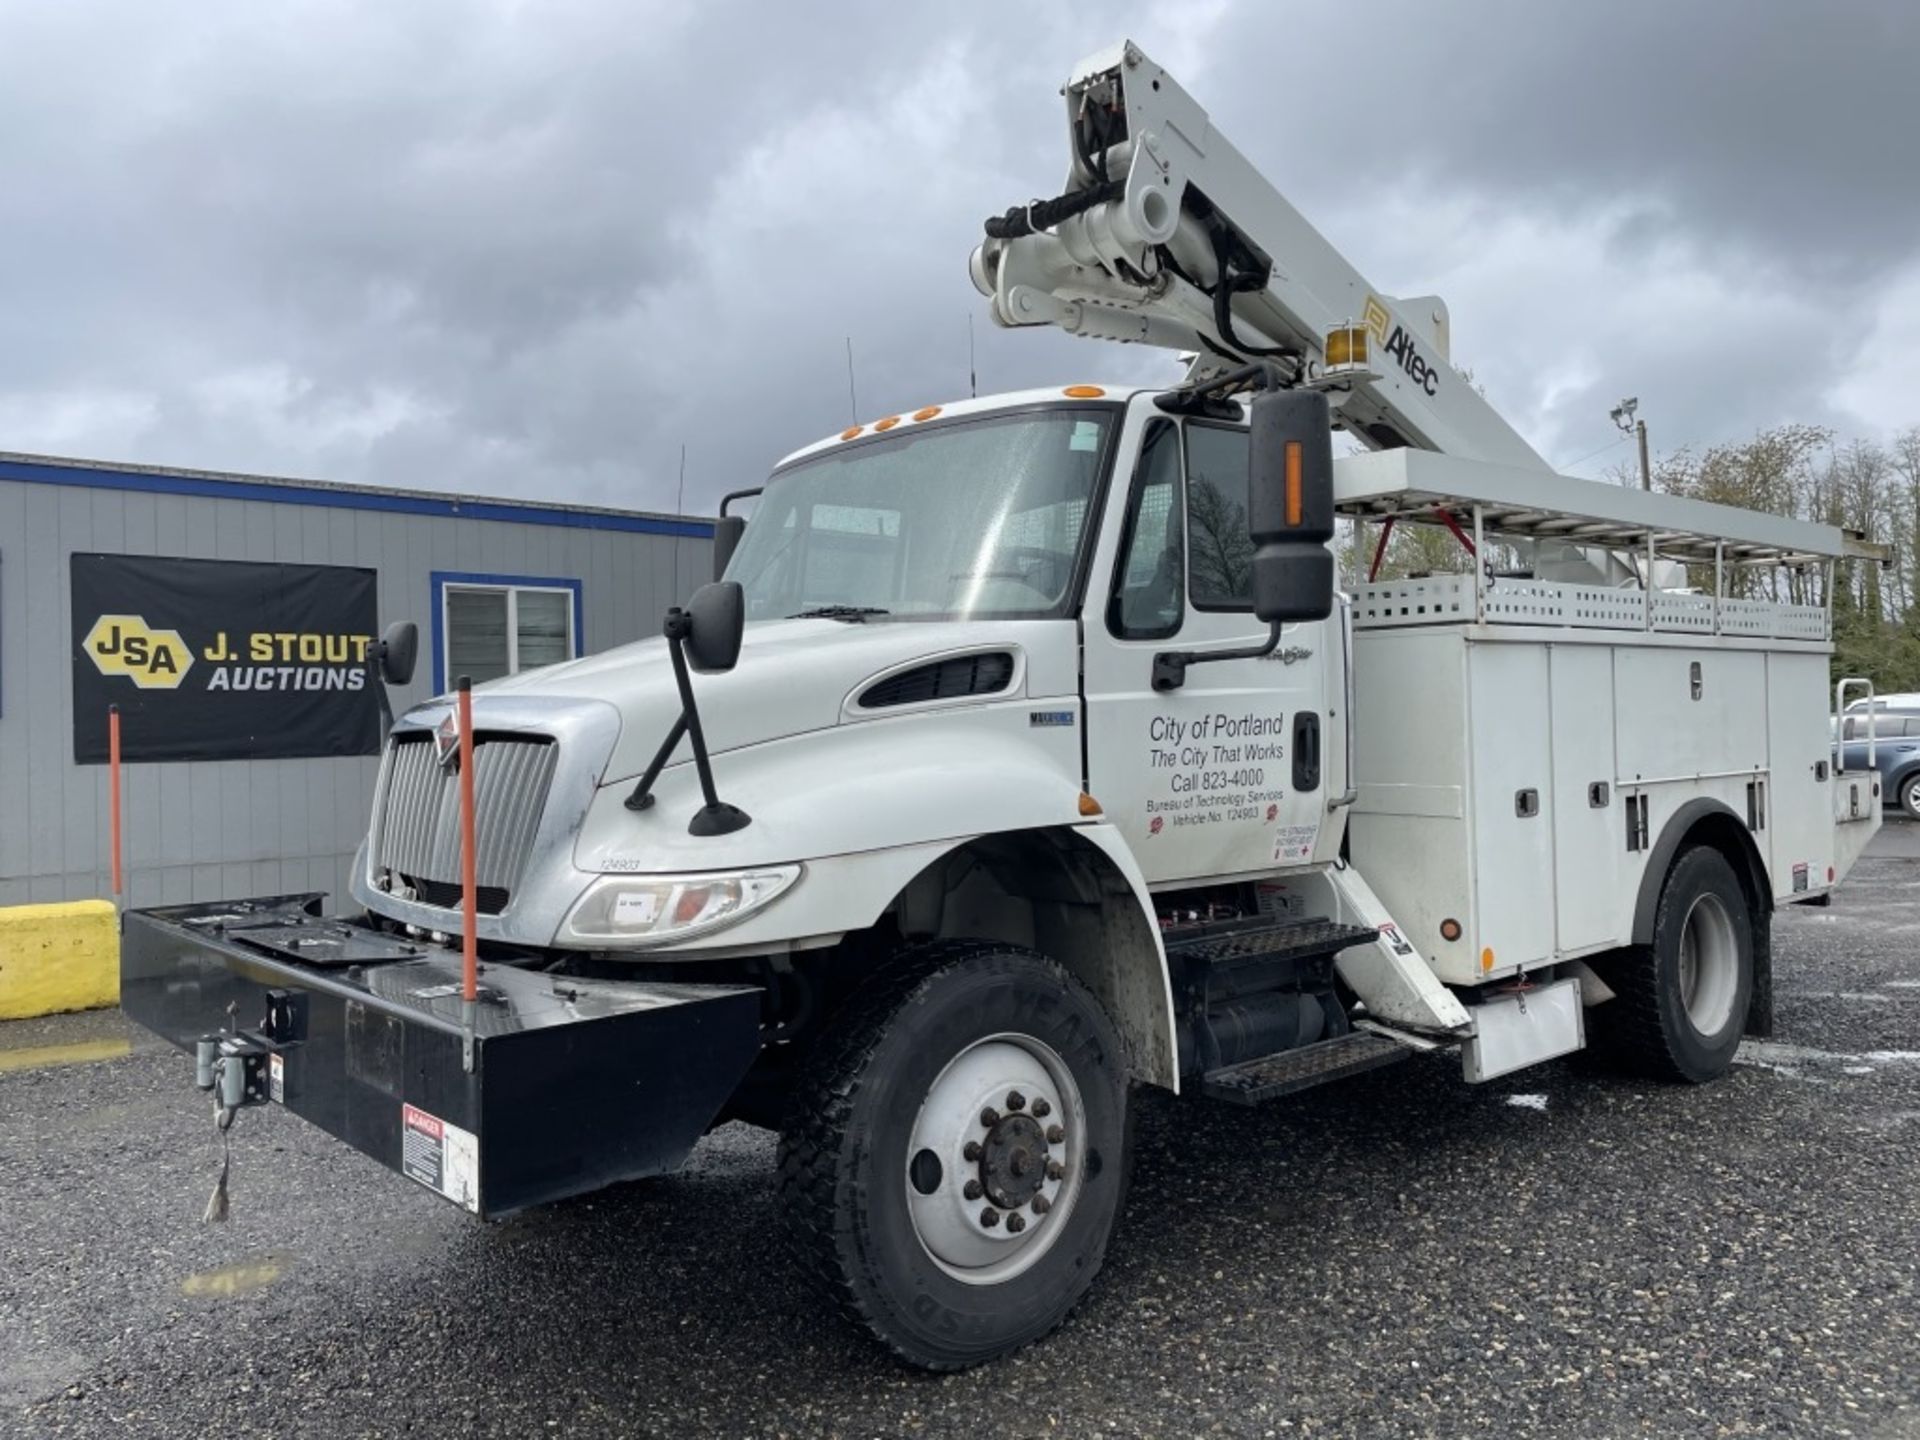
x: 1147, y: 592
x: 1219, y: 549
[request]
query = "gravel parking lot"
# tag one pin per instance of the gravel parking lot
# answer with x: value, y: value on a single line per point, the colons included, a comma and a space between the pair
x: 1564, y: 1254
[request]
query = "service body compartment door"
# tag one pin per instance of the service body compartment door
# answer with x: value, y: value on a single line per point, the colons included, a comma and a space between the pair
x: 1409, y: 834
x: 1510, y: 744
x: 1587, y: 837
x: 1796, y: 821
x: 1687, y: 712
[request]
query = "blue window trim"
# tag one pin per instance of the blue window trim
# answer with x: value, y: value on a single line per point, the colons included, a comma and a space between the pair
x: 438, y: 581
x: 343, y: 497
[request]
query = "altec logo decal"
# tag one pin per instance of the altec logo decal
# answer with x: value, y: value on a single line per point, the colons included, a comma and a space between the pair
x: 1399, y: 344
x: 127, y: 645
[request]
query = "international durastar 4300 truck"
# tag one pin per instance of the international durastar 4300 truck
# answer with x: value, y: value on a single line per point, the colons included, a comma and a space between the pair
x: 1027, y: 753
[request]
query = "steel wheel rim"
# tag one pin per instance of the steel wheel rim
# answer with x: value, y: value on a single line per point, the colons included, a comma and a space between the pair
x: 1709, y: 964
x: 947, y: 1220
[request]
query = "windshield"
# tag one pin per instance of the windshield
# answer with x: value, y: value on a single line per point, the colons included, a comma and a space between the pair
x: 977, y: 518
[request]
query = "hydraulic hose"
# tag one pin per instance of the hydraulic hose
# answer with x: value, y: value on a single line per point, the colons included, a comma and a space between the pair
x: 1045, y: 214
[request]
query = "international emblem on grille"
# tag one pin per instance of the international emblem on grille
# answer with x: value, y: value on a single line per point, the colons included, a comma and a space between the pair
x: 446, y: 742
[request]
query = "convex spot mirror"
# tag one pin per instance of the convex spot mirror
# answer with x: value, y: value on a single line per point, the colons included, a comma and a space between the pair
x: 1290, y: 504
x: 399, y: 648
x: 716, y: 619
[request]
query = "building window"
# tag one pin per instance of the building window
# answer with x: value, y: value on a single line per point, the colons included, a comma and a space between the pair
x: 487, y: 626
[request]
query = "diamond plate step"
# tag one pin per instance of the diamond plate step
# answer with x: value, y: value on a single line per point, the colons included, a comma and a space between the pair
x: 1242, y: 943
x: 1253, y: 1081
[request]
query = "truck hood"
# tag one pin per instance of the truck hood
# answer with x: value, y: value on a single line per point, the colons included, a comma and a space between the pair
x: 793, y: 676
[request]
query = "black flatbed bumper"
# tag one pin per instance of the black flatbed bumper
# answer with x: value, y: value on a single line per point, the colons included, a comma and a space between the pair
x: 552, y: 1086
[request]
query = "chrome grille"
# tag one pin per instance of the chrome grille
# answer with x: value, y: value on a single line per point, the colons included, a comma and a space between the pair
x: 417, y: 834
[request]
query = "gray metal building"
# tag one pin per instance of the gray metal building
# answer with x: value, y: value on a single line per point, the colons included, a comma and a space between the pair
x: 493, y: 585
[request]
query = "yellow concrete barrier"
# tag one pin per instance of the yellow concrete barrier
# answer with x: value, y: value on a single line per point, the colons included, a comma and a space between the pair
x: 58, y: 957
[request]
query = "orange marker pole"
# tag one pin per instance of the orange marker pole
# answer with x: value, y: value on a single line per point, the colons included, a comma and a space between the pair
x: 113, y: 786
x: 469, y: 883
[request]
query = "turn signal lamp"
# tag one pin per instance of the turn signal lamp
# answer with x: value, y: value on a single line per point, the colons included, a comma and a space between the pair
x: 1293, y: 467
x: 1083, y: 392
x: 1347, y: 347
x: 1088, y: 805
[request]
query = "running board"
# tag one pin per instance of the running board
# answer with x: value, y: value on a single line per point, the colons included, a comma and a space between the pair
x: 1254, y: 1081
x: 1250, y: 942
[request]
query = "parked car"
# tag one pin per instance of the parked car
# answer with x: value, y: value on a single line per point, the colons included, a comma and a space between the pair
x: 1896, y: 747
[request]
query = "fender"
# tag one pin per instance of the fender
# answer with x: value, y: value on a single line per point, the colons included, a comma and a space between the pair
x: 1660, y: 860
x: 864, y: 808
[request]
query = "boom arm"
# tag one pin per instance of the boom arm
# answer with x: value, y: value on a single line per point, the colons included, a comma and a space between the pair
x: 1167, y: 236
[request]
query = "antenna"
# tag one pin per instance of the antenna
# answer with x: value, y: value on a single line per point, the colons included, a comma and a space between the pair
x: 853, y: 402
x: 679, y: 509
x: 973, y: 373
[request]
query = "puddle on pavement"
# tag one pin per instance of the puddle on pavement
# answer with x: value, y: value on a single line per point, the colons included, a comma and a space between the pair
x: 1791, y: 1061
x: 243, y: 1277
x: 84, y: 1052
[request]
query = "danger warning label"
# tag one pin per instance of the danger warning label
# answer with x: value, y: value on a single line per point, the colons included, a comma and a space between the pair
x: 440, y: 1156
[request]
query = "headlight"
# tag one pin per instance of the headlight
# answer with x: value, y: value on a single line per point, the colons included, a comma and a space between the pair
x: 636, y: 911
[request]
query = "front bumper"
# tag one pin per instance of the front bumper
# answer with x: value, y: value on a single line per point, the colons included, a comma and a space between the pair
x: 550, y: 1087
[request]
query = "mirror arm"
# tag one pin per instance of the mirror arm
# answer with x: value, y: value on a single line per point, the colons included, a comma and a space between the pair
x: 716, y: 817
x: 1170, y: 666
x: 642, y: 796
x: 386, y: 701
x: 1209, y: 396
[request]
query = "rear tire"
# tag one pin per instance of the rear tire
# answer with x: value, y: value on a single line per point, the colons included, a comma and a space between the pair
x: 1680, y: 1004
x: 1910, y: 795
x: 888, y: 1163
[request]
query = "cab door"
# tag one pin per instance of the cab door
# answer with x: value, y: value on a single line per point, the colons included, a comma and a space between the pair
x: 1226, y: 774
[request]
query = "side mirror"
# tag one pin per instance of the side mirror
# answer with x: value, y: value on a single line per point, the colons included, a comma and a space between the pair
x: 716, y: 619
x: 727, y: 531
x: 1290, y: 505
x: 398, y: 649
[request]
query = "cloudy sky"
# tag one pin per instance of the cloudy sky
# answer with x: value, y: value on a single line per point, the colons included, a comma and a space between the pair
x: 532, y: 249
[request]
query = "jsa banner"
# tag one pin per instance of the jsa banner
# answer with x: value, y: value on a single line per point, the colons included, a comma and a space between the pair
x: 222, y: 660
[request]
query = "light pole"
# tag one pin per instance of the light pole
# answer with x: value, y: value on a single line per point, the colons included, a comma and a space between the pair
x: 1623, y: 416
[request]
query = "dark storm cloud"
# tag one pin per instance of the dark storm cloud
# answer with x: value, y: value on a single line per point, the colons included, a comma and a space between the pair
x: 535, y: 249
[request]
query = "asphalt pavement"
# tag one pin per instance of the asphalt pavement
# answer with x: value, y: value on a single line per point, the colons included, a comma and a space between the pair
x: 1562, y: 1253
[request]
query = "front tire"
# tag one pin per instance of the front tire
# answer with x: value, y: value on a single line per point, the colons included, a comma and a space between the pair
x: 1910, y: 795
x: 1680, y: 1004
x: 955, y: 1157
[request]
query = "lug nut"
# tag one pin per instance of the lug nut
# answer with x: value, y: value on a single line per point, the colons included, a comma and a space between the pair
x: 1041, y: 1204
x: 1055, y: 1134
x: 989, y: 1217
x: 1015, y: 1224
x: 1016, y: 1101
x: 989, y: 1117
x: 971, y: 1151
x: 971, y: 1190
x: 1055, y: 1170
x: 1041, y: 1109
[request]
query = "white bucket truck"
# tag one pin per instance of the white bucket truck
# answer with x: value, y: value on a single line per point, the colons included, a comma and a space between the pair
x: 1027, y: 754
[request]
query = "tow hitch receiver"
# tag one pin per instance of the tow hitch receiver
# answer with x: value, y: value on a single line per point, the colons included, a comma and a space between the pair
x: 575, y: 1084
